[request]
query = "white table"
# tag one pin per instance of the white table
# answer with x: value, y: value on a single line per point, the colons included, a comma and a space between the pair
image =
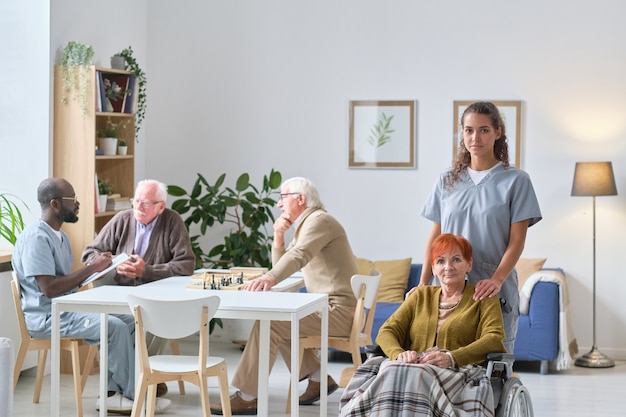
x: 263, y: 306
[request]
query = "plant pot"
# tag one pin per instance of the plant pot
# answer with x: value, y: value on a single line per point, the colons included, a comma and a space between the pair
x: 122, y: 150
x: 118, y: 62
x: 102, y: 203
x: 108, y: 145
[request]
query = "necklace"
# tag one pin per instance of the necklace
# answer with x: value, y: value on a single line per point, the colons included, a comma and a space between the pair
x: 448, y: 306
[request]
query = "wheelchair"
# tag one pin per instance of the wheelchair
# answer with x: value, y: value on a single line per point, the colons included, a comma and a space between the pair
x: 511, y: 397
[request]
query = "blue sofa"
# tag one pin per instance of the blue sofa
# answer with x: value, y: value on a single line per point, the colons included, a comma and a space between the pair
x: 538, y: 332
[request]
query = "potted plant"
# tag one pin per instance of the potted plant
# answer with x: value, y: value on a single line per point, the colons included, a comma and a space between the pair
x: 122, y: 148
x: 11, y: 220
x: 246, y: 208
x: 133, y: 66
x: 108, y: 134
x: 75, y: 63
x: 105, y: 188
x: 118, y: 61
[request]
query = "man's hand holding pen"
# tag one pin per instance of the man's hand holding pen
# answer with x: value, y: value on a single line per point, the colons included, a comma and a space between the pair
x: 102, y: 261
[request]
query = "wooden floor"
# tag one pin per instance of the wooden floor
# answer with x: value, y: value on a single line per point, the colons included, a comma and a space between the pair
x: 576, y: 392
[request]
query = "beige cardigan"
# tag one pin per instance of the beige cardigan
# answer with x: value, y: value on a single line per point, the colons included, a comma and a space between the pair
x: 321, y: 249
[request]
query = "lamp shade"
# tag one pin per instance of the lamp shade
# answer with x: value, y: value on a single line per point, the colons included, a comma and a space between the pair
x: 593, y: 179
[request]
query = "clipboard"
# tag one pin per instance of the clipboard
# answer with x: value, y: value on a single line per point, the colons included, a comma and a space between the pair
x: 116, y: 261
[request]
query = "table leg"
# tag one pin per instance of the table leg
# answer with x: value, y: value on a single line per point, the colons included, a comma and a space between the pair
x: 264, y: 368
x: 295, y: 365
x: 324, y: 363
x: 55, y: 366
x: 104, y: 362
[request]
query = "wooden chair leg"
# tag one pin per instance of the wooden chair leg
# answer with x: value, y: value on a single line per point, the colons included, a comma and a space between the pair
x: 204, y: 396
x: 19, y: 361
x: 151, y: 400
x: 140, y: 396
x: 224, y: 397
x: 41, y: 366
x: 175, y: 348
x: 89, y: 361
x: 78, y: 392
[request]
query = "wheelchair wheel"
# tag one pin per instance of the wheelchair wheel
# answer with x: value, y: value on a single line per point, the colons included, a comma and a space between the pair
x: 514, y: 400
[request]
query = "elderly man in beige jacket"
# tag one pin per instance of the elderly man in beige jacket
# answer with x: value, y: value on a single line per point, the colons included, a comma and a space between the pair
x: 319, y: 248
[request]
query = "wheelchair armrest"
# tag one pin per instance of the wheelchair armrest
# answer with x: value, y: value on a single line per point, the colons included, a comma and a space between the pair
x: 374, y: 350
x: 500, y: 362
x: 501, y: 356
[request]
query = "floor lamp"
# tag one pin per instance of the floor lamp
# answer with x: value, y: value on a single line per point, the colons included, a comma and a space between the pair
x: 594, y: 179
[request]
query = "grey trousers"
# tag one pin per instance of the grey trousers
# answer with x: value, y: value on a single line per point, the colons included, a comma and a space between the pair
x: 121, y: 344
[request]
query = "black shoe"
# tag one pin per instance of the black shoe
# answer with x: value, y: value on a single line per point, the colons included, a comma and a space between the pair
x: 161, y: 389
x: 238, y: 406
x: 312, y: 393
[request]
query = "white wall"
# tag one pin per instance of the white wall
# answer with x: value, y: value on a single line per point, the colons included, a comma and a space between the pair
x: 250, y: 86
x: 258, y: 85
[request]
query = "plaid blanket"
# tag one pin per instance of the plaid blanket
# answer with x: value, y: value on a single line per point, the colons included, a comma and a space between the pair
x: 381, y: 387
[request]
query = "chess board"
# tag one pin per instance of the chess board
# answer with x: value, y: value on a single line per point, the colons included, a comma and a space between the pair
x: 233, y: 279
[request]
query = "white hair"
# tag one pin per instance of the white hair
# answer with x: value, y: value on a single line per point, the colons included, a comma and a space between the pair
x: 305, y: 187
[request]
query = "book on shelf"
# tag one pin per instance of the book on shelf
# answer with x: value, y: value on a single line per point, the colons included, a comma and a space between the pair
x: 98, y: 95
x: 101, y: 93
x: 118, y: 203
x: 129, y: 104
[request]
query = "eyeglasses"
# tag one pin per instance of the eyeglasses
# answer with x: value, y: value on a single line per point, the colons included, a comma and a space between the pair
x: 144, y: 204
x: 74, y: 199
x: 282, y: 196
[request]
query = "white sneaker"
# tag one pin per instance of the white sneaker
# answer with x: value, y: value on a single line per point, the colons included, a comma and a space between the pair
x: 161, y: 405
x: 117, y: 404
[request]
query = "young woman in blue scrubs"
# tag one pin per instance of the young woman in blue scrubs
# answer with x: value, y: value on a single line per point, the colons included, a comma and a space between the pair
x: 489, y: 203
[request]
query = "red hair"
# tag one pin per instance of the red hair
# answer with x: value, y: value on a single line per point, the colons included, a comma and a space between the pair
x: 447, y: 242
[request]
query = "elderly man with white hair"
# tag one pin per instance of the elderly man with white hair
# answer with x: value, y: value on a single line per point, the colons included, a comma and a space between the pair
x: 319, y: 248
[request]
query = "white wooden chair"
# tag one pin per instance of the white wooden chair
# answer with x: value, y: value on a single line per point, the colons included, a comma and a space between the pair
x: 365, y: 288
x: 28, y: 343
x: 175, y: 319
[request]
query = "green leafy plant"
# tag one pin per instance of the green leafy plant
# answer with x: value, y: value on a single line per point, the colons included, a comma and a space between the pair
x: 111, y: 129
x: 75, y: 63
x: 133, y: 66
x: 246, y: 208
x: 121, y: 142
x: 379, y: 133
x: 105, y: 187
x: 11, y: 220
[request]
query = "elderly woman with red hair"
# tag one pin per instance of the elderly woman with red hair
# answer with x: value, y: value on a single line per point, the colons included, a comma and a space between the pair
x: 435, y: 343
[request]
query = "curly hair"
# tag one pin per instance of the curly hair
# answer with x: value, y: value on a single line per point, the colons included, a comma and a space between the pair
x: 463, y: 157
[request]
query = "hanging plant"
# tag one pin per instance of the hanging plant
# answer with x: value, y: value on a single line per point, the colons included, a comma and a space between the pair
x: 75, y: 67
x: 133, y: 66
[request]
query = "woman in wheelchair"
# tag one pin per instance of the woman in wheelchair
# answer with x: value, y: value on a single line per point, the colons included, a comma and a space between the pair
x: 435, y: 343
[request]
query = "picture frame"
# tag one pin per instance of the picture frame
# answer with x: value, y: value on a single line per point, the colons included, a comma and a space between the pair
x: 511, y: 112
x: 382, y: 134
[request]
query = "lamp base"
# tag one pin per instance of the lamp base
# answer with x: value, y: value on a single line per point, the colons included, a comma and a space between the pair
x: 595, y: 359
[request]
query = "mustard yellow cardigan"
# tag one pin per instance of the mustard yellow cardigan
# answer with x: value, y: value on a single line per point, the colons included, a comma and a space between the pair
x: 472, y: 330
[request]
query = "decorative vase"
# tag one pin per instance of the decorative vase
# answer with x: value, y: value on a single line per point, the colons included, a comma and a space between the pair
x: 109, y: 105
x: 108, y: 145
x: 118, y: 62
x: 102, y: 203
x: 122, y: 150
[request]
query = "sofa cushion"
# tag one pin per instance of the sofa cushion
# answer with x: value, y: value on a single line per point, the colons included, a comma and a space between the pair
x: 394, y: 277
x: 525, y: 267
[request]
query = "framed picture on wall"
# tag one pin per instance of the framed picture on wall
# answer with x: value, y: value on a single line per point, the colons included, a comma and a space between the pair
x: 511, y: 112
x: 382, y: 134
